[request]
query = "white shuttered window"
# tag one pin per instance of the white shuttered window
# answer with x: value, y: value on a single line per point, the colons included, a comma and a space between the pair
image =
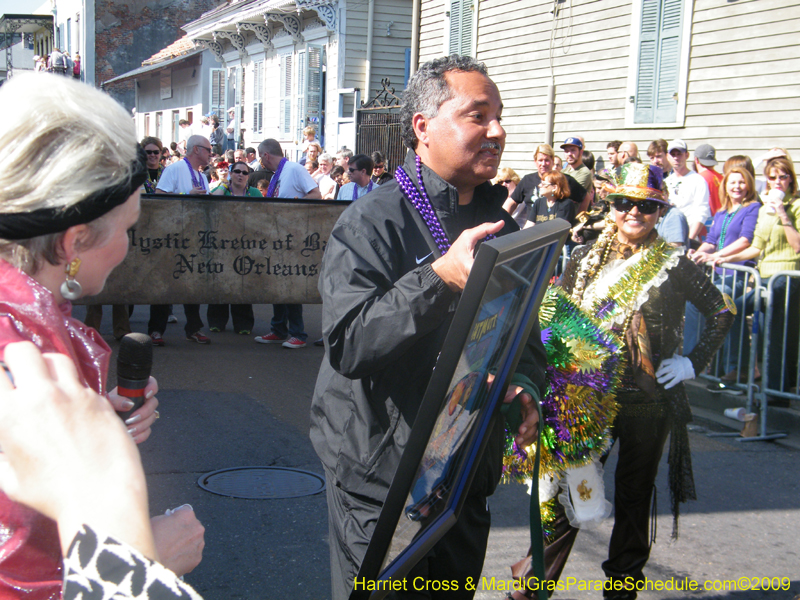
x: 285, y: 95
x: 217, y: 94
x: 258, y: 96
x: 301, y: 94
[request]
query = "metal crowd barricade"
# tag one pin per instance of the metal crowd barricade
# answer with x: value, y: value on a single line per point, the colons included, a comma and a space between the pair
x: 751, y: 282
x: 748, y: 278
x: 787, y: 338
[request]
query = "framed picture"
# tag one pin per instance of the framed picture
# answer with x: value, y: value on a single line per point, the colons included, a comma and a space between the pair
x: 486, y: 338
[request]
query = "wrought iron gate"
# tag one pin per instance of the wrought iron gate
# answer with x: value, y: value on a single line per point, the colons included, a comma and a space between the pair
x: 378, y: 127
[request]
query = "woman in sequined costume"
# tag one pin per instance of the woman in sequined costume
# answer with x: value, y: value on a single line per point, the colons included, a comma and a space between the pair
x: 637, y: 285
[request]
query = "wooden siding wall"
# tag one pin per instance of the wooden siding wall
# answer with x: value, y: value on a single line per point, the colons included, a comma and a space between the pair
x: 744, y: 73
x: 388, y: 52
x: 432, y: 29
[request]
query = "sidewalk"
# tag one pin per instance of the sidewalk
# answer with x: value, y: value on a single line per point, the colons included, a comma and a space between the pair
x: 740, y: 526
x: 710, y: 407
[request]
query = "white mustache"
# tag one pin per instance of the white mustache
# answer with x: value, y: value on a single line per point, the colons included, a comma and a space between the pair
x: 490, y: 145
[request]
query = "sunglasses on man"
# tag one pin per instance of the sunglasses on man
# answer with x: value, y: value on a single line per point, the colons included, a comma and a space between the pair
x: 645, y: 207
x: 240, y: 172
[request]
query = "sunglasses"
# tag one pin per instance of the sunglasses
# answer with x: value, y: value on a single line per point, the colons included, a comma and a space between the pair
x: 782, y: 177
x: 353, y: 169
x: 378, y: 167
x: 153, y: 152
x: 507, y: 181
x: 646, y: 207
x: 239, y: 172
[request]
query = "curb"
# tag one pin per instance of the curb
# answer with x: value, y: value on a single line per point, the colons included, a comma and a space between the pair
x: 710, y: 407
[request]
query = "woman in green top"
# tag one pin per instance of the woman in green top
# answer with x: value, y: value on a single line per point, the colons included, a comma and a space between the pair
x: 242, y: 314
x: 237, y: 184
x: 777, y: 242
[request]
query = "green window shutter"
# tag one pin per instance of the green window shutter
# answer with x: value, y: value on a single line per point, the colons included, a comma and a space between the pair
x: 461, y: 27
x: 455, y: 27
x: 313, y: 92
x: 669, y: 61
x: 646, y: 75
x: 659, y: 61
x: 466, y: 28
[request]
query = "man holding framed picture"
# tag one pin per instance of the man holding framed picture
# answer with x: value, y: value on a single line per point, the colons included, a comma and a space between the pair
x: 394, y: 267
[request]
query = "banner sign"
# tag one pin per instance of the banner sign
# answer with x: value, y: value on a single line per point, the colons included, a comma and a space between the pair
x: 208, y: 249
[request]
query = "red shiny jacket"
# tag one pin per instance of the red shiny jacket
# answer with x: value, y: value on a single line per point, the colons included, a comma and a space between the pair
x: 30, y: 552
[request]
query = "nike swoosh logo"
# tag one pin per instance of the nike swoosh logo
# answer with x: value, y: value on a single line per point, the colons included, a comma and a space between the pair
x: 422, y: 260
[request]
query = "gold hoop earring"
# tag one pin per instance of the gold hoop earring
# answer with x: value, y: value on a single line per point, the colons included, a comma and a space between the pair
x: 71, y: 289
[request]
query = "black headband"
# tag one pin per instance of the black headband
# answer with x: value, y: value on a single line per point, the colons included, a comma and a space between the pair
x: 44, y: 221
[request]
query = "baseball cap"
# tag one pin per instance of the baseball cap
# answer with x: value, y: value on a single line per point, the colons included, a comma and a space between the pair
x: 705, y: 155
x: 572, y: 141
x: 677, y: 145
x: 232, y: 109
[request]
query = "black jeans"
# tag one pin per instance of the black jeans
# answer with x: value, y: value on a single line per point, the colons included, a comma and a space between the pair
x: 120, y: 318
x: 456, y: 557
x: 782, y: 361
x: 160, y: 312
x: 242, y: 314
x: 641, y: 442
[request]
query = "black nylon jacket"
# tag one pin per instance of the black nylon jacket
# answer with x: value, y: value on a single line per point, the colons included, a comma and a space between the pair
x: 385, y: 317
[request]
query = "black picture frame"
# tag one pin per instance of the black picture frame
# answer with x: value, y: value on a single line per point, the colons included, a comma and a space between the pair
x: 505, y: 288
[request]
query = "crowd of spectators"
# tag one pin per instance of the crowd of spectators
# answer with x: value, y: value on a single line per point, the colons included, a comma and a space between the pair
x: 207, y: 162
x: 728, y: 217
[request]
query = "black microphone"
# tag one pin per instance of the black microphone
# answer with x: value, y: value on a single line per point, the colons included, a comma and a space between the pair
x: 134, y: 362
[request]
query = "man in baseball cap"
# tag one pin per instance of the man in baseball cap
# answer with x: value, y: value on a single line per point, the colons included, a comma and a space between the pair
x: 705, y: 157
x: 573, y: 151
x: 688, y: 191
x: 677, y: 145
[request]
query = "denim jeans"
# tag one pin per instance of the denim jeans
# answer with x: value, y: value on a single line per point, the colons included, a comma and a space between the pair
x: 782, y: 361
x: 287, y: 320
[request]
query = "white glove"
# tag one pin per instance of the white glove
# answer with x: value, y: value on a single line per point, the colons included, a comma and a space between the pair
x: 674, y: 370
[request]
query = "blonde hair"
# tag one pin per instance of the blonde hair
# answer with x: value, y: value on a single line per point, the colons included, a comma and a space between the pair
x: 309, y: 130
x: 504, y: 173
x: 65, y: 141
x: 545, y: 149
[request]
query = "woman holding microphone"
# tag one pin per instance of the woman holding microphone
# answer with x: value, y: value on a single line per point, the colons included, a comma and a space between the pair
x: 65, y: 209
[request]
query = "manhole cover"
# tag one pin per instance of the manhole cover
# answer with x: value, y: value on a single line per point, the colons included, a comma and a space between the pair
x: 262, y: 483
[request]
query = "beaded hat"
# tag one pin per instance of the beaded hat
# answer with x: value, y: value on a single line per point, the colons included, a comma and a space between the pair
x: 639, y: 182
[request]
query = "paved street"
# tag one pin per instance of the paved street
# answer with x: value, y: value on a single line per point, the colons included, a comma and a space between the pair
x: 237, y: 403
